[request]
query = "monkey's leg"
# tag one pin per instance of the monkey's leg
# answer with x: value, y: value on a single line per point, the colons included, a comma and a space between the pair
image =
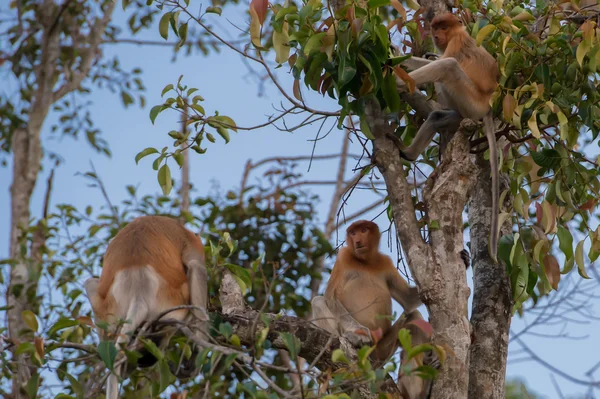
x: 462, y: 92
x: 442, y: 121
x: 332, y: 316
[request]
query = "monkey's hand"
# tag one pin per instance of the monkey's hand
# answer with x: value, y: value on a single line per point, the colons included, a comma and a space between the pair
x: 358, y: 338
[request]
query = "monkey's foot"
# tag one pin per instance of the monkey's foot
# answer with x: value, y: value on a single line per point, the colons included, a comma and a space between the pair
x: 399, y: 145
x: 359, y: 337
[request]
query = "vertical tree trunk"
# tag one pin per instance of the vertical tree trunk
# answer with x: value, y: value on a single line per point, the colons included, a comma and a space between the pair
x: 27, y: 158
x: 492, y: 298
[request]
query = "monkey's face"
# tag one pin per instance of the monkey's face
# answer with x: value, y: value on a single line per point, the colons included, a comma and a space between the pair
x: 360, y: 240
x: 440, y: 36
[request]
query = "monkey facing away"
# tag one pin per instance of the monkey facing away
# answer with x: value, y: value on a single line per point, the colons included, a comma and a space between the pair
x: 358, y: 297
x: 150, y: 266
x: 465, y: 78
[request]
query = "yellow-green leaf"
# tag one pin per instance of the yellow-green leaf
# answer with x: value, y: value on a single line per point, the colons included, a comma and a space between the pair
x: 508, y: 107
x: 29, y: 318
x: 164, y: 179
x: 484, y: 32
x: 364, y: 127
x: 163, y: 25
x: 582, y: 50
x: 532, y: 123
x: 579, y: 260
x: 281, y: 44
x: 338, y: 355
x: 254, y: 28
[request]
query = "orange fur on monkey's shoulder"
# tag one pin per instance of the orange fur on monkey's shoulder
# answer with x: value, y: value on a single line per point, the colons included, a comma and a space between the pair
x: 156, y: 241
x: 451, y: 37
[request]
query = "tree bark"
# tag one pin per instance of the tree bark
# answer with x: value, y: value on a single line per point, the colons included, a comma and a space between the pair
x: 436, y: 266
x: 492, y: 298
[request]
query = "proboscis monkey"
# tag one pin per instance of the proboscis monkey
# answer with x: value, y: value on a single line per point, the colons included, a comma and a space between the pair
x: 358, y: 297
x: 150, y: 266
x: 465, y: 78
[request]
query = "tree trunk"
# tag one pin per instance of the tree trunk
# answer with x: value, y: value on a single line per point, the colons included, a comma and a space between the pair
x: 27, y: 157
x: 492, y: 298
x: 436, y: 266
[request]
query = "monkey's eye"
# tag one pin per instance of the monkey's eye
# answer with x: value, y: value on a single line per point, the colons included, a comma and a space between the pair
x: 364, y: 230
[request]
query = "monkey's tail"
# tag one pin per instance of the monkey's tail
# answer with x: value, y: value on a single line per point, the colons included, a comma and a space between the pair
x: 134, y: 287
x: 488, y: 127
x: 198, y: 283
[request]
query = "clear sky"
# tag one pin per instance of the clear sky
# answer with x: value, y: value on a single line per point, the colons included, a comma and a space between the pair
x: 223, y: 80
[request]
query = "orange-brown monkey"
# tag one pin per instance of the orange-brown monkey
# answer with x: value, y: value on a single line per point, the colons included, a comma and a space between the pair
x: 152, y: 265
x: 358, y: 297
x: 465, y: 78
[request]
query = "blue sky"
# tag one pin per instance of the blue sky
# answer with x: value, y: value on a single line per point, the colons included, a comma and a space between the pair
x: 222, y: 80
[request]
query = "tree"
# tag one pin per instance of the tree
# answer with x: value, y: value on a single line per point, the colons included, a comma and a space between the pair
x: 54, y: 51
x: 551, y: 189
x: 541, y: 108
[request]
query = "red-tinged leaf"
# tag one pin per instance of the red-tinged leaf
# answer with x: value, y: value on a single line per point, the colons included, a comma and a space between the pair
x: 261, y: 7
x: 85, y: 320
x: 552, y: 270
x: 39, y: 346
x: 424, y: 326
x: 296, y: 90
x: 402, y: 74
x: 588, y: 205
x: 400, y: 8
x: 539, y: 213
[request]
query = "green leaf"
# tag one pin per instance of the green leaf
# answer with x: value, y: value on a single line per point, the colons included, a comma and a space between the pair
x: 364, y: 127
x: 155, y: 111
x: 152, y: 348
x: 242, y: 274
x: 32, y: 385
x: 214, y: 10
x: 565, y: 240
x: 165, y: 375
x: 163, y: 25
x: 579, y: 260
x: 292, y: 343
x: 63, y: 322
x: 223, y: 132
x: 126, y: 98
x: 378, y: 3
x: 178, y: 158
x: 29, y: 318
x: 183, y: 33
x: 226, y: 329
x: 338, y: 355
x: 144, y: 152
x: 390, y: 93
x: 107, y: 352
x: 166, y: 89
x: 547, y: 158
x: 164, y: 179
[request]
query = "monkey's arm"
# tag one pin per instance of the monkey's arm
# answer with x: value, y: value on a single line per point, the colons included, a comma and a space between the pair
x: 406, y: 296
x: 198, y: 283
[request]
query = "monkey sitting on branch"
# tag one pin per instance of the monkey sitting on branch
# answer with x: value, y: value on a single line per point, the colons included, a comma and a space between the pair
x: 152, y: 265
x: 465, y: 78
x: 358, y: 297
